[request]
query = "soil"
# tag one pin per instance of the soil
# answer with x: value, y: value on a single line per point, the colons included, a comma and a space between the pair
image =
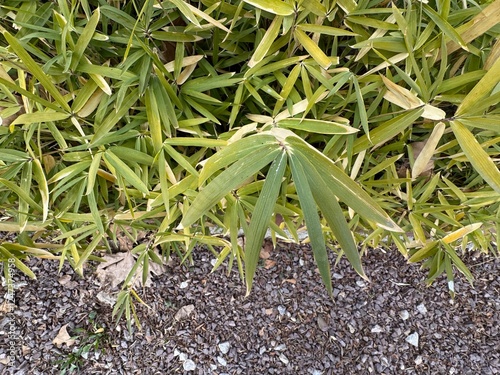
x: 201, y: 323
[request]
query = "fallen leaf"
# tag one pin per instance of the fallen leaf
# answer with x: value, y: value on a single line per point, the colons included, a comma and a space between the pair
x: 323, y: 325
x: 184, y: 312
x: 264, y: 254
x: 269, y: 311
x: 117, y: 267
x: 63, y: 280
x: 291, y: 281
x: 269, y: 264
x: 63, y: 337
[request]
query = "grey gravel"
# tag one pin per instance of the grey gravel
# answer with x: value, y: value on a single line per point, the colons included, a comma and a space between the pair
x: 316, y: 335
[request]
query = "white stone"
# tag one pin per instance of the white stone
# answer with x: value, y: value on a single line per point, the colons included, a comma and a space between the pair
x: 224, y: 347
x: 284, y: 359
x: 413, y: 339
x: 281, y: 310
x: 360, y: 283
x: 422, y: 309
x: 418, y: 360
x: 377, y: 329
x: 221, y: 361
x: 184, y: 285
x: 189, y: 365
x: 404, y: 314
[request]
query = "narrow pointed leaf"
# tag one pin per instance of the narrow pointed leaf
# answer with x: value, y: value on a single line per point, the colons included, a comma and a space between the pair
x: 312, y: 48
x: 266, y: 41
x: 277, y: 7
x: 477, y: 156
x: 342, y: 186
x: 261, y: 216
x: 333, y: 214
x: 313, y: 223
x: 124, y: 171
x: 39, y: 176
x: 35, y: 69
x: 228, y: 180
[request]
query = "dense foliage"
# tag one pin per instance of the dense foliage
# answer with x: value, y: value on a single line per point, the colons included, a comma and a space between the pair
x: 373, y: 123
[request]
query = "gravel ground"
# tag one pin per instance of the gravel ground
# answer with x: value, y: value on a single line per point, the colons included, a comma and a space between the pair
x: 200, y: 323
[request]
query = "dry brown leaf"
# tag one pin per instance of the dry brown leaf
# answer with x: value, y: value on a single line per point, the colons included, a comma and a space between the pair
x: 184, y: 312
x: 269, y: 264
x: 269, y: 311
x: 117, y: 267
x: 264, y: 254
x: 291, y: 281
x: 63, y: 337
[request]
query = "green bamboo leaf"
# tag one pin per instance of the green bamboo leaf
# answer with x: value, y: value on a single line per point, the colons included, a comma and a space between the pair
x: 444, y: 26
x: 94, y: 210
x: 37, y: 117
x: 94, y: 167
x: 180, y: 159
x: 428, y: 250
x: 261, y: 216
x: 84, y: 39
x: 34, y: 69
x: 29, y: 95
x: 235, y: 151
x: 481, y: 90
x: 313, y: 223
x: 195, y: 142
x: 19, y: 265
x: 266, y: 41
x: 115, y: 116
x: 13, y: 156
x: 387, y: 130
x: 333, y: 214
x: 39, y: 176
x: 228, y: 180
x: 22, y: 194
x: 132, y: 155
x: 175, y: 37
x: 327, y: 30
x: 277, y: 7
x: 363, y: 117
x: 186, y: 11
x: 162, y: 171
x: 124, y: 171
x: 476, y: 155
x: 316, y: 126
x: 343, y: 186
x: 312, y: 48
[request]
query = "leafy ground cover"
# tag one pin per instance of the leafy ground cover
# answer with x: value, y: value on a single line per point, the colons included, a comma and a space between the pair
x: 371, y: 123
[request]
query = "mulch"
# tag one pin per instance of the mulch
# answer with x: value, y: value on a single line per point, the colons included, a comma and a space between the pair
x: 201, y: 323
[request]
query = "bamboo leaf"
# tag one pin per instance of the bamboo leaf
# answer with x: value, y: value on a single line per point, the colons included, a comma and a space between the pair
x: 316, y: 126
x: 261, y: 216
x: 124, y: 171
x: 277, y: 7
x: 39, y: 176
x: 266, y: 41
x: 343, y: 186
x: 35, y: 69
x: 479, y: 159
x: 481, y: 90
x: 84, y: 39
x: 37, y: 117
x: 313, y: 224
x: 428, y: 150
x: 228, y: 180
x: 333, y: 214
x: 312, y: 48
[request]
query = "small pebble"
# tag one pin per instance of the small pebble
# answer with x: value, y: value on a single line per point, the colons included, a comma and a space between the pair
x: 404, y: 314
x: 224, y: 347
x: 189, y: 365
x: 422, y: 309
x: 418, y: 360
x: 284, y: 359
x: 377, y: 329
x: 360, y: 283
x: 184, y: 285
x: 281, y: 310
x: 221, y: 361
x: 338, y: 276
x: 413, y: 339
